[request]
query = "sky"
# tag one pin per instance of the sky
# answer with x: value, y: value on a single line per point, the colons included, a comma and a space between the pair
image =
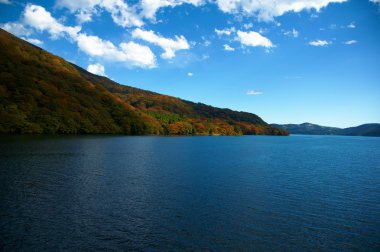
x: 288, y: 61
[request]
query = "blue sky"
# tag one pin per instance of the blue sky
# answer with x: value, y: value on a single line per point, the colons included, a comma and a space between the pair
x: 288, y: 61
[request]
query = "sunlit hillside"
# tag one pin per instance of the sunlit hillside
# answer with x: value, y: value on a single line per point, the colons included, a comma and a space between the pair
x: 43, y: 93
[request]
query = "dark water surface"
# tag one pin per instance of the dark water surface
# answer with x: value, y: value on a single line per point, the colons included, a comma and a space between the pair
x: 297, y: 193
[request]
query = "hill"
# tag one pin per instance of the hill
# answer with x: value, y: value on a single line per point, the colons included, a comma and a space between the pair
x: 308, y: 129
x: 371, y: 129
x: 43, y: 93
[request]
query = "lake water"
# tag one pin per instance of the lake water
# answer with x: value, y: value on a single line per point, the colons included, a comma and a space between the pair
x: 256, y: 193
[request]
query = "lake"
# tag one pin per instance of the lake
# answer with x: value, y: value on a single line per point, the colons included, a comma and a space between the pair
x: 256, y: 193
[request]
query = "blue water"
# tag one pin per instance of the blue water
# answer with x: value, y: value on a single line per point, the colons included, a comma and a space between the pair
x: 252, y: 193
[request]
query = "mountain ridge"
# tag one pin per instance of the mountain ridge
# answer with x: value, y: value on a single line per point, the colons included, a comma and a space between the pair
x: 44, y: 94
x: 368, y: 129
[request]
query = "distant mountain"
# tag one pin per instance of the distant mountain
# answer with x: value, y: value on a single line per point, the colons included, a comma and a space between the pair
x: 43, y: 93
x: 308, y: 129
x: 372, y: 129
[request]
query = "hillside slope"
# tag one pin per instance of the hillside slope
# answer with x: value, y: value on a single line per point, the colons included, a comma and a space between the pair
x: 370, y: 129
x: 308, y: 129
x: 42, y: 93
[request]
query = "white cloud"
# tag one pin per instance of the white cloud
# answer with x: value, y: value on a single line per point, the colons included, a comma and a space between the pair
x: 313, y: 15
x: 121, y: 13
x: 350, y: 42
x: 375, y: 1
x: 203, y: 57
x: 16, y: 28
x: 78, y: 4
x: 130, y: 53
x: 254, y: 92
x: 266, y: 10
x: 207, y: 42
x: 190, y: 74
x: 5, y: 1
x: 40, y: 19
x: 352, y: 24
x: 150, y: 7
x: 37, y: 18
x: 95, y: 46
x: 248, y: 26
x: 84, y: 9
x: 319, y: 43
x: 139, y: 55
x: 293, y: 33
x: 263, y: 30
x: 228, y: 48
x: 34, y: 41
x: 227, y: 31
x: 170, y: 46
x: 133, y: 14
x: 83, y: 16
x: 253, y: 38
x: 97, y: 69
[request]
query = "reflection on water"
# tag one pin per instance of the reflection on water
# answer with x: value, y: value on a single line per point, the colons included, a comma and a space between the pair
x: 196, y: 193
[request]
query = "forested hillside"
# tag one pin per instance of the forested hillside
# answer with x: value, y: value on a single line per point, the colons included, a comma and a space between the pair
x: 308, y: 129
x: 43, y: 93
x: 369, y: 129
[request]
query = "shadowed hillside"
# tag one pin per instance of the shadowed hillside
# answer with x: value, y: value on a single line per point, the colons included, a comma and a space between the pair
x: 43, y: 93
x: 370, y: 129
x: 308, y: 129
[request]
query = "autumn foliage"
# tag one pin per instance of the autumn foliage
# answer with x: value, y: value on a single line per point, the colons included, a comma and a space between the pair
x: 42, y: 93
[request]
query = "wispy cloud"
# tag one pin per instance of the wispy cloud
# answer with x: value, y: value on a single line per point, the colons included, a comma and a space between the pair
x: 228, y: 48
x: 170, y: 46
x: 206, y: 42
x: 227, y: 31
x: 292, y: 33
x: 313, y: 15
x: 133, y: 13
x: 350, y: 42
x: 122, y: 14
x: 150, y: 7
x: 16, y: 28
x: 254, y: 92
x: 266, y: 10
x: 319, y: 43
x: 248, y: 26
x: 190, y: 74
x: 352, y: 25
x: 34, y: 41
